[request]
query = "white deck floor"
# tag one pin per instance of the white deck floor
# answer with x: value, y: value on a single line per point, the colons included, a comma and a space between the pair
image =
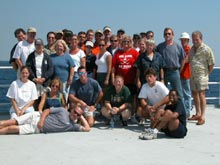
x: 116, y: 146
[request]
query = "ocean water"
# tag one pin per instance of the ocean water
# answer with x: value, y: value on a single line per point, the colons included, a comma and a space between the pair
x: 9, y: 75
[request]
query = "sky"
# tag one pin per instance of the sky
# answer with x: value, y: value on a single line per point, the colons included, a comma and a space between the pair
x: 134, y: 17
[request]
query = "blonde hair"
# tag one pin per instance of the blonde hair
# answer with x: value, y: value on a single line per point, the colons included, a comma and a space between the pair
x: 66, y: 49
x: 128, y: 38
x: 55, y: 80
x: 150, y: 42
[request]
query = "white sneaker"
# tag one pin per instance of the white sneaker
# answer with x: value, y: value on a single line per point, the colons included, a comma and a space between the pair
x: 150, y: 136
x: 141, y: 136
x: 146, y: 131
x: 142, y: 121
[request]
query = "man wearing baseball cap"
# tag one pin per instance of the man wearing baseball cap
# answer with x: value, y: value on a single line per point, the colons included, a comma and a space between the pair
x: 25, y: 47
x: 107, y: 31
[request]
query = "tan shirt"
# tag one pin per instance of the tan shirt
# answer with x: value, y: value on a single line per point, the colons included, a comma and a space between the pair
x: 200, y: 60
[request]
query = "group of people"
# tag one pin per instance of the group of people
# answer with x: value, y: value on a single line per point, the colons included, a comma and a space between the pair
x: 60, y: 85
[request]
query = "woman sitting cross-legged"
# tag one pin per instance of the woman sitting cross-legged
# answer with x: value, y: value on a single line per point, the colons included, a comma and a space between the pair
x: 53, y: 97
x: 22, y: 93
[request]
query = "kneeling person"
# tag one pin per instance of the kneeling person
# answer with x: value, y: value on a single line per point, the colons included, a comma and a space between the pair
x: 87, y: 92
x: 117, y: 100
x: 152, y: 96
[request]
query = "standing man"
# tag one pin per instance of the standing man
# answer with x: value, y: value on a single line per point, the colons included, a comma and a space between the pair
x: 25, y: 47
x: 87, y: 92
x: 107, y: 32
x: 51, y: 39
x: 82, y: 39
x: 20, y: 34
x: 173, y: 55
x: 201, y: 62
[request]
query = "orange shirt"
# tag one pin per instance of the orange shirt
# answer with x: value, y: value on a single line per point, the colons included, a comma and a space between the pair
x: 96, y: 49
x: 185, y: 74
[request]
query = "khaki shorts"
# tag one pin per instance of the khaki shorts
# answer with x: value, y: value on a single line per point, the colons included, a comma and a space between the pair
x: 28, y: 123
x: 88, y: 113
x: 196, y: 85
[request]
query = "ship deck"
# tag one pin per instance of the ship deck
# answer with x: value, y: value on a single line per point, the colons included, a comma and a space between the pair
x: 120, y: 145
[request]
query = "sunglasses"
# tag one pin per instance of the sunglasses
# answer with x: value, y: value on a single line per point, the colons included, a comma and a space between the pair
x: 167, y: 34
x: 125, y: 42
x: 114, y: 40
x: 82, y: 73
x: 101, y: 45
x: 54, y: 86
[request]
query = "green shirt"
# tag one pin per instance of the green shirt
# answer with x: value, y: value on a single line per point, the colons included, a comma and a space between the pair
x: 117, y: 99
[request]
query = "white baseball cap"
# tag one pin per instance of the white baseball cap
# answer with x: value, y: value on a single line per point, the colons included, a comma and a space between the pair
x: 89, y: 43
x: 185, y: 35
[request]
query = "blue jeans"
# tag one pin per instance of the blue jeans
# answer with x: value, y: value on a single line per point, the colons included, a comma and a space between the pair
x: 187, y: 94
x: 173, y: 76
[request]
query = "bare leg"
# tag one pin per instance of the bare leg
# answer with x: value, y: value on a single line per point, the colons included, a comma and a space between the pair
x: 126, y: 114
x: 202, y: 103
x: 142, y: 113
x: 173, y: 124
x: 5, y: 123
x: 155, y: 120
x: 197, y: 102
x: 12, y: 129
x: 166, y: 118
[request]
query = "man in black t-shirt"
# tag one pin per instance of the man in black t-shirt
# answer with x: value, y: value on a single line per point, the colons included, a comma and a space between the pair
x: 171, y: 120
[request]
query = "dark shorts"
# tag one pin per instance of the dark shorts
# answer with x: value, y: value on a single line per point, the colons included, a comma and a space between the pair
x: 101, y: 78
x: 132, y: 88
x: 180, y: 132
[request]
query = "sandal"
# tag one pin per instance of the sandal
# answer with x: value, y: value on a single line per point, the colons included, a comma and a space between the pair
x: 200, y: 121
x: 194, y: 117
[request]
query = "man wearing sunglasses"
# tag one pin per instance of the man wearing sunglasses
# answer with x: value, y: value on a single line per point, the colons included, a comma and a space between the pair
x: 173, y: 55
x: 50, y: 121
x: 87, y: 92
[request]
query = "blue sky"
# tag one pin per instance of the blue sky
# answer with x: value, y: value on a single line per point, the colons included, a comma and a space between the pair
x: 133, y: 17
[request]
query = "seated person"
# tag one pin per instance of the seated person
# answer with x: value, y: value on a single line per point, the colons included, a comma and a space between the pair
x: 171, y: 120
x: 53, y: 97
x: 87, y: 92
x: 152, y: 94
x: 22, y: 93
x: 117, y: 100
x: 51, y: 120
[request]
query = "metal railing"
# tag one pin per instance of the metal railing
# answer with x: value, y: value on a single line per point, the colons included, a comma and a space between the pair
x: 207, y: 98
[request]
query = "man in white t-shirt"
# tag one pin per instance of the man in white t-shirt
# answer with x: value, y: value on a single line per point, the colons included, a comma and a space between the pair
x: 25, y: 47
x: 153, y: 94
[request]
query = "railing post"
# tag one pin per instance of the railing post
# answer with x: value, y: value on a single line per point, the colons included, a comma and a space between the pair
x: 218, y: 95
